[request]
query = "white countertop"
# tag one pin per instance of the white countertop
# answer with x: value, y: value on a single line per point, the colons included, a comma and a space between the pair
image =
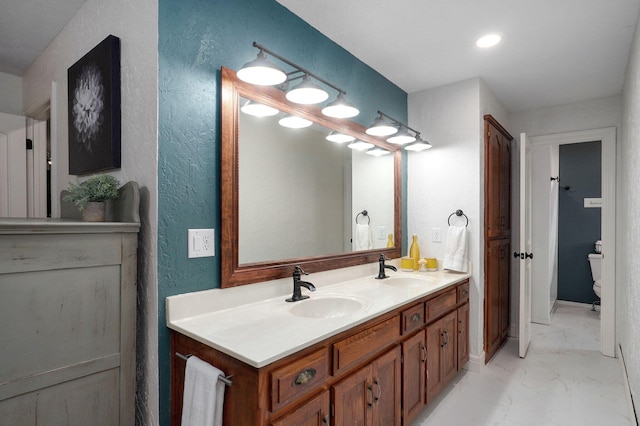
x: 255, y: 324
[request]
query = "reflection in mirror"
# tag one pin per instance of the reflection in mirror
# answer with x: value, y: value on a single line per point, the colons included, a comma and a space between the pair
x: 290, y: 196
x: 303, y: 192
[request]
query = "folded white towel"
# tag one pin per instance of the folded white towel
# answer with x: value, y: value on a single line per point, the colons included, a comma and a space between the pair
x: 203, y: 394
x: 363, y: 240
x: 455, y: 252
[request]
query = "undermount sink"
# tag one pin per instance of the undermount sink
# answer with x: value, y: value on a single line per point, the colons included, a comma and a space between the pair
x: 328, y: 306
x: 409, y: 281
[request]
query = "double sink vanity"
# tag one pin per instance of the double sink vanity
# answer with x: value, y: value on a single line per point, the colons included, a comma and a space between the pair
x: 366, y: 350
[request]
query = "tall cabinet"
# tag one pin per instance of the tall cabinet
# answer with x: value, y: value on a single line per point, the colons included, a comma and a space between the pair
x: 497, y: 148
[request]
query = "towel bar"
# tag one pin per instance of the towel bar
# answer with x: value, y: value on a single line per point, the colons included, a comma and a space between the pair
x: 458, y: 213
x: 226, y: 380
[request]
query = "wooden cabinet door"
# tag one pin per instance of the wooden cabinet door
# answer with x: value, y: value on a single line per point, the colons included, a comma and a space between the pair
x: 505, y: 186
x: 492, y: 181
x: 463, y: 335
x: 496, y: 295
x: 505, y: 258
x: 386, y: 371
x: 449, y: 355
x: 414, y: 372
x: 435, y: 344
x: 353, y: 399
x: 313, y: 413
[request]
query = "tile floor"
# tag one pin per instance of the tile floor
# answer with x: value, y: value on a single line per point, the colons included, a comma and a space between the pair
x: 564, y: 380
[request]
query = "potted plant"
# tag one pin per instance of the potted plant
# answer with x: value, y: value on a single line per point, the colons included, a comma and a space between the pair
x: 91, y: 195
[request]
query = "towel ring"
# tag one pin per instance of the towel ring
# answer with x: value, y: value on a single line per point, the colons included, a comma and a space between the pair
x: 458, y: 213
x: 365, y: 214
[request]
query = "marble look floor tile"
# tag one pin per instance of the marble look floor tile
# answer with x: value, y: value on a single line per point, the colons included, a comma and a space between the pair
x: 564, y: 380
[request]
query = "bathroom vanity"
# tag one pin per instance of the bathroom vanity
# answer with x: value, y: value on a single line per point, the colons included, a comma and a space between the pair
x: 364, y: 351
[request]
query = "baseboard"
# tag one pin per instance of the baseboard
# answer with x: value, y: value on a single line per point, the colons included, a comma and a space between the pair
x: 476, y: 363
x: 576, y: 304
x: 632, y: 408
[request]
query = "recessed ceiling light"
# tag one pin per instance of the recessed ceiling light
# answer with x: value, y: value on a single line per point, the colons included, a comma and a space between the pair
x: 488, y: 40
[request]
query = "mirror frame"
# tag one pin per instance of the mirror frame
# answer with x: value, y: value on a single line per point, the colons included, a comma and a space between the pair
x: 234, y: 274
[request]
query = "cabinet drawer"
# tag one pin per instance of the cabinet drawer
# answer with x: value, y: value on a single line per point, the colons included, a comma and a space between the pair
x: 412, y: 318
x: 298, y: 377
x: 441, y: 304
x: 347, y: 352
x: 463, y: 292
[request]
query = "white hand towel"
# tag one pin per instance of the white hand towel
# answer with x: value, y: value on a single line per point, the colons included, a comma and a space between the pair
x: 455, y: 252
x: 363, y: 240
x: 203, y: 394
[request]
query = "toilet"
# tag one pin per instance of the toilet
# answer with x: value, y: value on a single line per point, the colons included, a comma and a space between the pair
x: 595, y: 260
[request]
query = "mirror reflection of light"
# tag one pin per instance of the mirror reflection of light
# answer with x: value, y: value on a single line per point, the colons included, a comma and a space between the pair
x: 339, y: 137
x: 293, y: 122
x: 377, y: 151
x: 360, y: 145
x: 258, y: 110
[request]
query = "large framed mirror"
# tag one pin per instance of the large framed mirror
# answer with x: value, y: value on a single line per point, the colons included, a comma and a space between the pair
x: 291, y: 197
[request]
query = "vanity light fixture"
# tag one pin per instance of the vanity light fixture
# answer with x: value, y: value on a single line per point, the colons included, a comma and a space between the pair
x: 380, y: 127
x: 360, y: 145
x: 262, y: 72
x: 339, y: 137
x: 418, y: 145
x: 376, y: 151
x: 258, y: 110
x: 294, y: 122
x: 402, y: 137
x: 488, y: 40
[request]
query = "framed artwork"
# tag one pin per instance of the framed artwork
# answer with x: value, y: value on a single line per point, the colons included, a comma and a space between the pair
x: 94, y: 109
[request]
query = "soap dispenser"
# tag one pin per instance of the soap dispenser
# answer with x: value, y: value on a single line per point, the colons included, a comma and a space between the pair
x: 414, y: 252
x: 390, y: 241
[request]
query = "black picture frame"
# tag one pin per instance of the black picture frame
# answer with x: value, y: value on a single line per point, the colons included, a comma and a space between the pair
x: 94, y: 109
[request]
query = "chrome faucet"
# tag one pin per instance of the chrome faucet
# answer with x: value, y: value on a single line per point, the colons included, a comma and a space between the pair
x: 297, y: 283
x: 381, y: 270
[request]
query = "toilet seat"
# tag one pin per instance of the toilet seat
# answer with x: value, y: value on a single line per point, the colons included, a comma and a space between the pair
x: 597, y: 287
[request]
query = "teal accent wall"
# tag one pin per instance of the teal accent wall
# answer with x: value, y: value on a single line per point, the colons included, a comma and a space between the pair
x: 578, y: 227
x: 196, y: 38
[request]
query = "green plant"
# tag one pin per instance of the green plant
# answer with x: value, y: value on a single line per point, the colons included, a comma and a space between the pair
x: 96, y: 188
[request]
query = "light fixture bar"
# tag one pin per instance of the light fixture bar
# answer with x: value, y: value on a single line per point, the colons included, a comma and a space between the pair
x: 298, y: 67
x: 398, y: 122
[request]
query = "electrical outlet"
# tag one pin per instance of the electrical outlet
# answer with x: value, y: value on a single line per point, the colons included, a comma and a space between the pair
x: 201, y: 243
x: 436, y: 235
x: 382, y: 232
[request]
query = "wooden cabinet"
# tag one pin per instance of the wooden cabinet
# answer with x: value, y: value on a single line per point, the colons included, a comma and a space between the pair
x: 313, y: 413
x: 442, y: 360
x: 463, y: 335
x: 67, y: 322
x: 371, y: 395
x: 372, y: 374
x: 414, y: 373
x: 497, y: 235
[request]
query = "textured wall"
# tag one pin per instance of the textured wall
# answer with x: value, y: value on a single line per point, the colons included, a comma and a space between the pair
x: 136, y: 24
x: 196, y: 38
x: 627, y: 266
x: 578, y: 227
x: 11, y: 90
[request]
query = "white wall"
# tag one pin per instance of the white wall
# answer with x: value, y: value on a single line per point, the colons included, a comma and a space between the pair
x: 449, y: 177
x: 136, y: 24
x: 10, y: 94
x: 628, y: 243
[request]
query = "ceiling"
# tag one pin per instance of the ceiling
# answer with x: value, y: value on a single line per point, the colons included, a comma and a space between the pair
x: 552, y: 52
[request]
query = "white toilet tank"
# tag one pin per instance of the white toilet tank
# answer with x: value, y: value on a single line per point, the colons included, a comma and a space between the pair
x: 595, y: 260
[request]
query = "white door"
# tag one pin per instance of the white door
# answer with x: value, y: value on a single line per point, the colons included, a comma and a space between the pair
x: 525, y: 247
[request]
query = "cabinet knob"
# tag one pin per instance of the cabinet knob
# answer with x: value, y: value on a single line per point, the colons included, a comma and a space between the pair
x: 305, y: 377
x: 415, y: 317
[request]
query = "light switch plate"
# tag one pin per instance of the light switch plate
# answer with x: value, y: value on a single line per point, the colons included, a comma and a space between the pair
x: 382, y: 232
x: 436, y: 235
x: 201, y: 243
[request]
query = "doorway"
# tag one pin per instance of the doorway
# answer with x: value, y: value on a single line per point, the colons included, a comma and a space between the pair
x: 607, y: 138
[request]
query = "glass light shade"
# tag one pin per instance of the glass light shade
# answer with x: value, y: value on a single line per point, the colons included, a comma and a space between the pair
x: 419, y: 145
x: 377, y: 151
x: 307, y: 93
x: 380, y: 128
x: 340, y: 108
x: 360, y: 145
x: 261, y: 72
x: 402, y: 137
x: 488, y: 40
x: 258, y: 110
x: 293, y: 122
x: 338, y: 137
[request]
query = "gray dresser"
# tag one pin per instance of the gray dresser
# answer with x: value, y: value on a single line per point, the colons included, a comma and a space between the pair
x: 67, y: 322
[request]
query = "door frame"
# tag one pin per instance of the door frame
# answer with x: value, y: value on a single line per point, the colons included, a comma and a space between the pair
x: 607, y: 137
